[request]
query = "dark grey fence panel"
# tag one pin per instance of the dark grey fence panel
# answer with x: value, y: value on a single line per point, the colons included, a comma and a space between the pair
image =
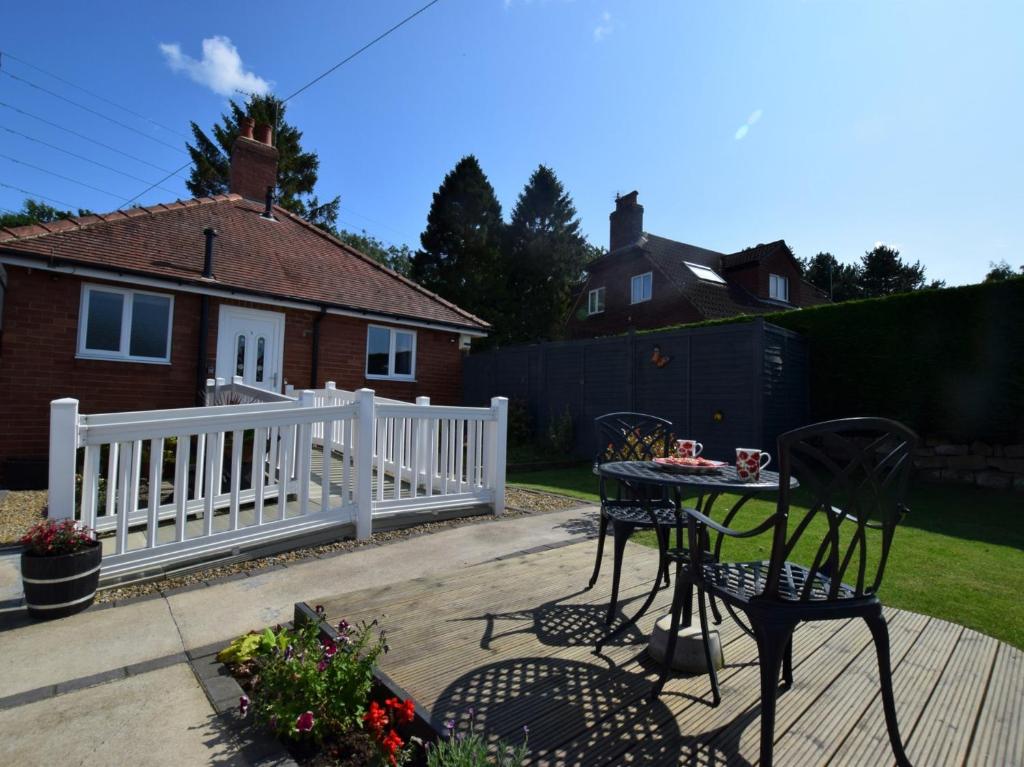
x: 728, y: 386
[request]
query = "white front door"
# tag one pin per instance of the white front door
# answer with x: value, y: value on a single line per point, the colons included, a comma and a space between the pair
x: 250, y: 344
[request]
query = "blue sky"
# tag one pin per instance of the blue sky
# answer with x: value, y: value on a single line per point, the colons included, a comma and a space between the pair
x: 833, y: 125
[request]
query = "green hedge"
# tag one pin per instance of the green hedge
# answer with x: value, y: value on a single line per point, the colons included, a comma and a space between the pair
x: 949, y: 362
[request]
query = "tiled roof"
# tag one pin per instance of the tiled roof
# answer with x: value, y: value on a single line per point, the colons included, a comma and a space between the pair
x: 287, y: 258
x: 756, y: 253
x: 713, y: 300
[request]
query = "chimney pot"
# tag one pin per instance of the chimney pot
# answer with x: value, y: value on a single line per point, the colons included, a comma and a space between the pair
x: 264, y: 134
x: 246, y: 126
x: 626, y: 221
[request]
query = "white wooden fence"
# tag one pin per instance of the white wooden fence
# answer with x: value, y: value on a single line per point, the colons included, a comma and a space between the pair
x: 173, y: 486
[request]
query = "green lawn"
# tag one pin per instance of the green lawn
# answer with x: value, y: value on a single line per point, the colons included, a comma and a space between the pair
x: 959, y: 555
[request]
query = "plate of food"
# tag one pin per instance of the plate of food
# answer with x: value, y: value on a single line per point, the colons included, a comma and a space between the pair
x: 689, y: 465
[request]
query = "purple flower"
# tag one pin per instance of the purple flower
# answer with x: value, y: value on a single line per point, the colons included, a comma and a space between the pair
x: 449, y: 724
x: 471, y: 711
x: 329, y: 647
x: 243, y: 705
x: 526, y: 729
x: 459, y: 736
x: 343, y: 626
x: 322, y: 665
x: 289, y: 652
x: 319, y: 609
x: 305, y: 722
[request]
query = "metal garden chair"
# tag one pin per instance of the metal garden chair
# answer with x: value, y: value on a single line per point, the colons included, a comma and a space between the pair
x: 853, y: 473
x: 631, y: 437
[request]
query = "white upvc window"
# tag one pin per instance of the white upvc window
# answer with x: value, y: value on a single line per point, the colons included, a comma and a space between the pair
x: 595, y: 301
x: 390, y: 353
x: 778, y: 287
x: 129, y: 325
x: 640, y: 288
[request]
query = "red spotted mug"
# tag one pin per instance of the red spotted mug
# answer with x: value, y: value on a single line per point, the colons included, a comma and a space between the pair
x: 688, y: 448
x: 749, y: 463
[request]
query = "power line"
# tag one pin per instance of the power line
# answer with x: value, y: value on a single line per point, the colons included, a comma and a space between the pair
x: 123, y: 108
x: 80, y: 135
x: 80, y: 157
x: 370, y: 44
x: 126, y: 126
x: 58, y: 175
x: 40, y: 196
x: 155, y: 186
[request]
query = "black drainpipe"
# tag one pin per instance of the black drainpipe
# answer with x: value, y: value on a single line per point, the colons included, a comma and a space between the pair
x: 316, y: 346
x: 204, y: 320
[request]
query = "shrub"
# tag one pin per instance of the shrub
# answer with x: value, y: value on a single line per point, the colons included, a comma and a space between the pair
x: 520, y: 424
x: 306, y: 687
x: 50, y: 538
x: 560, y: 433
x: 469, y: 748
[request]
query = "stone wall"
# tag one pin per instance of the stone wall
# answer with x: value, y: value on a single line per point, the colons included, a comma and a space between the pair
x: 979, y: 463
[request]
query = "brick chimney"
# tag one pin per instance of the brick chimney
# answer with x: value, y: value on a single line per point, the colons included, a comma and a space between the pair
x: 253, y: 161
x: 627, y: 221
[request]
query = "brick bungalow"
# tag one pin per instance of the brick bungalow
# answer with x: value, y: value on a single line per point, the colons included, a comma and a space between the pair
x: 646, y: 281
x: 133, y: 310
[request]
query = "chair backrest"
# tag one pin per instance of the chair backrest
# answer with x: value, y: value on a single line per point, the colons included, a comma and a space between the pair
x: 853, y: 475
x: 632, y: 437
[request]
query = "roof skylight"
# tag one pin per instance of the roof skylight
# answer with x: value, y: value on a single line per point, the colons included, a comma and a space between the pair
x: 705, y: 273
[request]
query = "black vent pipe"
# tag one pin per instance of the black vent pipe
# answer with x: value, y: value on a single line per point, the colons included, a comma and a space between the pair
x: 268, y: 208
x: 210, y: 233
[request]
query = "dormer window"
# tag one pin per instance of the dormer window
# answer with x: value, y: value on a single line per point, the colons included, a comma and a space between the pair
x: 704, y: 272
x: 595, y: 301
x: 640, y: 288
x: 778, y: 287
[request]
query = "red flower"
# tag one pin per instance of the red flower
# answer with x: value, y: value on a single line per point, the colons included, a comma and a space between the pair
x: 391, y: 744
x: 407, y: 712
x: 376, y: 719
x: 305, y: 722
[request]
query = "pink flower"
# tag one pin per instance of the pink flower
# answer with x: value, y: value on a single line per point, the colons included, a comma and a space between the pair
x: 330, y: 648
x: 305, y: 722
x: 243, y: 705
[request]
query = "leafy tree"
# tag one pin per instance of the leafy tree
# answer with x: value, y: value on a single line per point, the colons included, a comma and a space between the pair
x: 460, y: 257
x: 544, y: 254
x: 397, y: 257
x: 37, y: 212
x: 883, y: 272
x: 1001, y: 271
x: 296, y: 168
x: 838, y: 280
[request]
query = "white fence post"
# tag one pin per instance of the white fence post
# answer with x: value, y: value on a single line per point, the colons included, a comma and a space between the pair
x: 211, y: 392
x: 499, y: 440
x: 364, y: 464
x: 63, y: 454
x: 422, y: 457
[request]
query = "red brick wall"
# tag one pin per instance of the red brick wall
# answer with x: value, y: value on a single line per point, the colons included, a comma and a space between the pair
x: 38, y: 364
x: 754, y: 277
x: 666, y: 307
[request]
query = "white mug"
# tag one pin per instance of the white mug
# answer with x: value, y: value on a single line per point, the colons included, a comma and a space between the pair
x: 689, y: 448
x: 749, y: 463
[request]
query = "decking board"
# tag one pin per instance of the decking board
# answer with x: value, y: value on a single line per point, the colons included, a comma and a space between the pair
x: 513, y: 639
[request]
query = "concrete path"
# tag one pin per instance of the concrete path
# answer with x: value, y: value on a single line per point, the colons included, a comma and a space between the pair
x: 113, y: 685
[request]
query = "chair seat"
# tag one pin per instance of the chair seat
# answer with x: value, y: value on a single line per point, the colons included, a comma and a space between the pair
x: 742, y: 581
x: 637, y: 514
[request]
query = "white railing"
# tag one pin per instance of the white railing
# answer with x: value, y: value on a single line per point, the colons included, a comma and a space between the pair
x: 172, y: 486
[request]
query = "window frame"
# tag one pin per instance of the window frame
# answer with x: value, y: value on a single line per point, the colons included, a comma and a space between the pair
x: 599, y: 294
x: 697, y: 271
x: 392, y: 340
x: 127, y: 307
x: 778, y: 279
x: 632, y: 281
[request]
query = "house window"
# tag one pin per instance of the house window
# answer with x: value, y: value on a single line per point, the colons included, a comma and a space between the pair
x: 705, y: 272
x: 778, y: 287
x: 640, y: 288
x: 595, y: 301
x: 118, y: 324
x: 390, y: 353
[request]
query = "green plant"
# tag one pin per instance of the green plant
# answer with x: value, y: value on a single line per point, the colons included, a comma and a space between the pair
x: 520, y: 423
x: 306, y: 686
x: 50, y: 538
x: 560, y: 433
x: 469, y: 748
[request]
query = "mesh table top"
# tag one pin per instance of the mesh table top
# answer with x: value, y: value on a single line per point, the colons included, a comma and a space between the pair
x: 724, y: 479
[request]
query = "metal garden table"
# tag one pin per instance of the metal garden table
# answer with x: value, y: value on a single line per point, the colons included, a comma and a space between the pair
x: 647, y: 480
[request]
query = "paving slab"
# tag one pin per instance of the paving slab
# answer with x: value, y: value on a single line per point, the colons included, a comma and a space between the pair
x: 10, y: 575
x: 158, y: 718
x: 86, y: 644
x: 226, y: 609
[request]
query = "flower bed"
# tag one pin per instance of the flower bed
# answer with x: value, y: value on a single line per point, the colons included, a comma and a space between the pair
x: 318, y: 690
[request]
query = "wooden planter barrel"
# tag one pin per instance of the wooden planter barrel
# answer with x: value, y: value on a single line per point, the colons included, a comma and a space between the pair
x: 61, y: 585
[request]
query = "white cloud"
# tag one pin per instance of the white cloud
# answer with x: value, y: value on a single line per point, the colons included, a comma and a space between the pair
x: 220, y: 69
x: 604, y: 27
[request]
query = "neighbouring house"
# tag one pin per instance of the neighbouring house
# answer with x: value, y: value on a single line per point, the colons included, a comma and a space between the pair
x: 134, y: 310
x: 646, y: 281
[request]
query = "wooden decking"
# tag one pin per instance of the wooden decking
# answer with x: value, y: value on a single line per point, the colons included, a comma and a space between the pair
x: 514, y: 639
